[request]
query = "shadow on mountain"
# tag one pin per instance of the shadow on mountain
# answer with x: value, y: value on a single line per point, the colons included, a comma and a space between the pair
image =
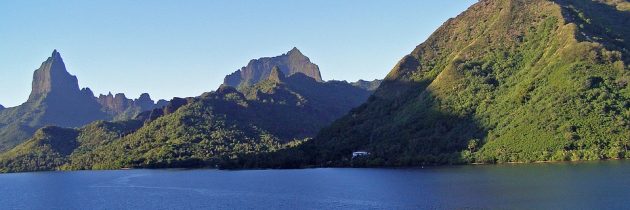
x: 605, y: 24
x: 296, y: 108
x: 332, y: 98
x: 406, y: 130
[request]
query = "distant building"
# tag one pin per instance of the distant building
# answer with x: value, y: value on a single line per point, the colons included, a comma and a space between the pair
x: 359, y: 154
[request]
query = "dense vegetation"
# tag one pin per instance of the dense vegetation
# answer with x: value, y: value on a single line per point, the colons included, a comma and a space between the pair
x: 506, y: 81
x: 209, y: 130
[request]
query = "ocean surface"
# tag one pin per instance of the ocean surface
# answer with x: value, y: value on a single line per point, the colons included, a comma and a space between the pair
x: 589, y: 185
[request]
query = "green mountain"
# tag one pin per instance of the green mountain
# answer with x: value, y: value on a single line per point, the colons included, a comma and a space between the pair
x: 51, y: 147
x: 505, y: 81
x: 56, y: 99
x: 213, y: 129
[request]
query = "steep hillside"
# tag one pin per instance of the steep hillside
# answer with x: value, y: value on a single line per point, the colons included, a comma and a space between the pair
x: 48, y: 148
x: 219, y: 126
x: 51, y: 147
x: 505, y: 81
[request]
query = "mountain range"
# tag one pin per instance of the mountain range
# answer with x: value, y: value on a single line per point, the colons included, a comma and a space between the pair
x: 506, y: 81
x: 265, y: 115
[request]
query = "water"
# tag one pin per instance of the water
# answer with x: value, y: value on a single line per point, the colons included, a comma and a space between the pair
x: 594, y: 185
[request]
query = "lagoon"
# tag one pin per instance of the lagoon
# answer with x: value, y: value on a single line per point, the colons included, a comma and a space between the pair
x: 589, y: 185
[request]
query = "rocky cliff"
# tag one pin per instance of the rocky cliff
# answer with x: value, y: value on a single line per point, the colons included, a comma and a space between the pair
x: 55, y: 99
x: 257, y: 70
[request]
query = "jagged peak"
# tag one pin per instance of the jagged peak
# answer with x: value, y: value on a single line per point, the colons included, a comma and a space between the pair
x: 52, y: 76
x: 295, y: 51
x: 55, y: 54
x: 258, y: 70
x: 87, y: 91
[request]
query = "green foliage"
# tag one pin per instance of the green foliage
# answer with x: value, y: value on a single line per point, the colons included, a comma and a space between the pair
x: 214, y: 129
x: 48, y: 149
x: 506, y: 81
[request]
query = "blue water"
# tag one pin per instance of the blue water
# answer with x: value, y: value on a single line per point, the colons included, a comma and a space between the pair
x: 593, y: 185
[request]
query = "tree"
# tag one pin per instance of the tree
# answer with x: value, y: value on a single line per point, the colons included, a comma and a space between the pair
x: 472, y: 145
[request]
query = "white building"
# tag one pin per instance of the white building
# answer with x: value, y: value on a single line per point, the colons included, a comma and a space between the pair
x: 359, y: 154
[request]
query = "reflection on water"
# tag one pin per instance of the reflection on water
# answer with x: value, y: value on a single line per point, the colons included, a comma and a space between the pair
x: 592, y: 185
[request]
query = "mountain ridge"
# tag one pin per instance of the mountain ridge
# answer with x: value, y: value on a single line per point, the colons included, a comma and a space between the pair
x: 278, y: 111
x: 259, y: 69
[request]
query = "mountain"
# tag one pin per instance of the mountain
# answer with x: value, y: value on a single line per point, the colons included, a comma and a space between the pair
x: 56, y: 99
x: 290, y: 63
x: 368, y: 85
x: 120, y: 107
x: 51, y: 147
x: 1, y: 107
x: 277, y: 112
x: 505, y: 81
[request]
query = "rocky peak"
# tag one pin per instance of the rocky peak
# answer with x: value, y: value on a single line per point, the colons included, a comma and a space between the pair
x: 1, y: 107
x: 144, y: 97
x: 114, y: 104
x: 52, y: 78
x: 87, y: 92
x: 119, y: 103
x: 295, y: 52
x: 257, y: 70
x: 144, y: 102
x: 161, y: 103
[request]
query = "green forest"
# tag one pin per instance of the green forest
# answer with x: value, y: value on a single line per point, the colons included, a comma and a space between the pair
x: 507, y: 81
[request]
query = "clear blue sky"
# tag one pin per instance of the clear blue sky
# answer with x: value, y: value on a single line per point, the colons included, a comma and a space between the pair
x: 184, y: 48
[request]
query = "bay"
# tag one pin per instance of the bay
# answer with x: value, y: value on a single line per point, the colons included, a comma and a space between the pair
x: 589, y: 185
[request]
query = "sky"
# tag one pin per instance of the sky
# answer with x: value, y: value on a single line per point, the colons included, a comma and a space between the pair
x: 185, y: 48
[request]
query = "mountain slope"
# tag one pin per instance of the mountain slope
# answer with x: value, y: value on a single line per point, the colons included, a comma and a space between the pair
x: 219, y: 126
x: 52, y: 147
x: 48, y: 148
x: 505, y: 81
